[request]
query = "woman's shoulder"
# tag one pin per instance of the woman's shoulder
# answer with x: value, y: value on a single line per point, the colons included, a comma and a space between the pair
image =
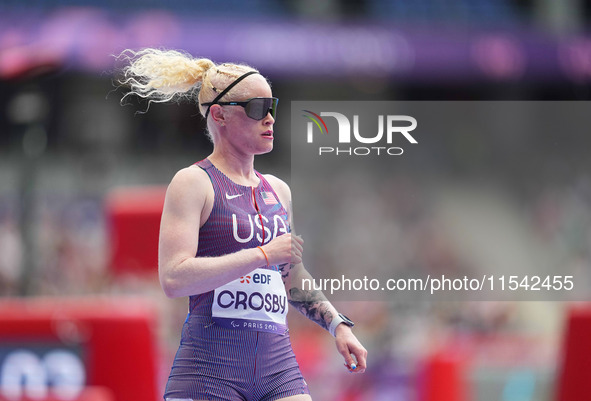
x: 279, y: 186
x: 190, y: 174
x: 191, y: 178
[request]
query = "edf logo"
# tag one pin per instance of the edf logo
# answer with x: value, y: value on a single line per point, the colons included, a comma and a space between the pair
x: 256, y: 278
x: 395, y: 124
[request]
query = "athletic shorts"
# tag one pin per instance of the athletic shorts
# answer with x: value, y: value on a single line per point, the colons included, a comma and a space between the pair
x: 218, y: 364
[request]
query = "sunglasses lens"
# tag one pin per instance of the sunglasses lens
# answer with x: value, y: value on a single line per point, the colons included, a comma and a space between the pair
x: 273, y: 108
x: 258, y: 108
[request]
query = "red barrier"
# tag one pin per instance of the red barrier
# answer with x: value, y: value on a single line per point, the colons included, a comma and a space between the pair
x: 49, y: 344
x: 442, y: 379
x: 573, y: 382
x: 134, y: 223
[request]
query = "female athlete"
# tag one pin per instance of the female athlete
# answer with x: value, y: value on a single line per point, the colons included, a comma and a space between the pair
x: 226, y: 242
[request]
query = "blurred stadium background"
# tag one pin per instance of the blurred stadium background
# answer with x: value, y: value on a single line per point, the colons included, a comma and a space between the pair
x: 82, y: 316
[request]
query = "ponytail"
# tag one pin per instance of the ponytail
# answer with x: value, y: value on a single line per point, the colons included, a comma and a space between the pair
x: 163, y: 75
x: 171, y: 75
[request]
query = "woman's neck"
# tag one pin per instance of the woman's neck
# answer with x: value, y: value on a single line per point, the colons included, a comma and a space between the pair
x: 239, y: 168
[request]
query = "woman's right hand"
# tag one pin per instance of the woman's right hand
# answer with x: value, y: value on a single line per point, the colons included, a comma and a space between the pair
x: 285, y: 248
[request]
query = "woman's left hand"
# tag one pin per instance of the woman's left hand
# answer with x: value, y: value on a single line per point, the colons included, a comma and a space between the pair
x: 348, y: 345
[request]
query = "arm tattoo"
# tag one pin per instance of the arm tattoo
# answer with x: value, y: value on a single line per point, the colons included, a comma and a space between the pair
x: 284, y: 270
x: 313, y: 305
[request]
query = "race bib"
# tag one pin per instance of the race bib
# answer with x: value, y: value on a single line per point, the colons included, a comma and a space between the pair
x: 256, y: 301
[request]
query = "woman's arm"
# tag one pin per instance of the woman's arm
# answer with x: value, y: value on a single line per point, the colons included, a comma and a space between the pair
x: 316, y: 307
x: 189, y: 200
x: 313, y: 303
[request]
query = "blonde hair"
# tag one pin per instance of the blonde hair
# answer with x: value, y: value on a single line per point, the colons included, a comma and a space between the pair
x: 173, y: 75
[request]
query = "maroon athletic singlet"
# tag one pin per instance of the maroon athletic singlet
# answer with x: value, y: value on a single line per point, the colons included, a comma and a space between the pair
x: 235, y: 343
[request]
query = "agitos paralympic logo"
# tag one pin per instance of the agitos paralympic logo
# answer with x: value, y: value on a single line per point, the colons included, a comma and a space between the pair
x: 394, y: 125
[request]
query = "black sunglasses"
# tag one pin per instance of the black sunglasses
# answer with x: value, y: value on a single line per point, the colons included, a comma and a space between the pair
x: 256, y: 108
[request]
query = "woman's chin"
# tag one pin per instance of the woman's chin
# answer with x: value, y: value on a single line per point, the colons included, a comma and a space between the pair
x: 265, y: 149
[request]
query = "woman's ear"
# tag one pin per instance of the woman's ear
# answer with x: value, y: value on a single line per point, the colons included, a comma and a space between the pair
x: 217, y: 114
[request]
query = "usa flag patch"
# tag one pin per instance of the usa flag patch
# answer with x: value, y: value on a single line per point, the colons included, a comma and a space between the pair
x: 269, y: 198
